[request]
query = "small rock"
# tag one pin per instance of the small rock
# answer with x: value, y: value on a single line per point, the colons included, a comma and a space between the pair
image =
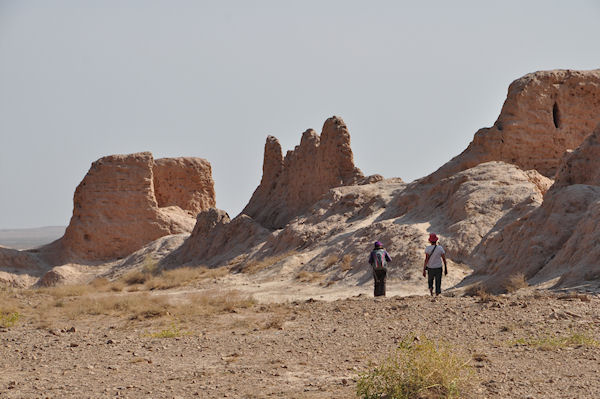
x: 73, y: 345
x: 110, y: 341
x: 71, y: 330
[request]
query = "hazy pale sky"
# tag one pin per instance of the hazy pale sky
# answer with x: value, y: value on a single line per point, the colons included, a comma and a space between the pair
x: 413, y: 81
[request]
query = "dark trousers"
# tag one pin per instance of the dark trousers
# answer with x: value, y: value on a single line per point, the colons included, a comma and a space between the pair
x: 379, y: 277
x: 435, y: 274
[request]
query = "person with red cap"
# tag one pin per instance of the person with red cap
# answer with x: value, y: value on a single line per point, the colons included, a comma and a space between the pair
x: 378, y: 260
x: 432, y: 267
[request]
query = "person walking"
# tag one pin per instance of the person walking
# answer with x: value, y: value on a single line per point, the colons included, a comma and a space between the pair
x: 378, y: 260
x: 432, y: 267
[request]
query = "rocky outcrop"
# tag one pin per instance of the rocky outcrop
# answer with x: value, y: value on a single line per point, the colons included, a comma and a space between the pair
x: 217, y: 239
x: 544, y: 114
x: 556, y: 244
x: 291, y: 185
x: 127, y: 201
x: 462, y: 210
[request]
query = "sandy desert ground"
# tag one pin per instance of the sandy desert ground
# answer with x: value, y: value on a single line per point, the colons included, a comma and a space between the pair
x: 207, y: 339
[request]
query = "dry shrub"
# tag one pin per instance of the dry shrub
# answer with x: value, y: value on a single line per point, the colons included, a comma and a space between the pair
x: 551, y: 342
x: 183, y: 276
x: 330, y: 260
x: 171, y: 332
x: 257, y: 265
x: 100, y: 283
x: 134, y: 306
x: 116, y: 286
x: 8, y: 301
x: 208, y: 273
x: 480, y: 290
x: 574, y: 295
x: 148, y: 270
x: 515, y: 282
x: 135, y: 277
x: 346, y: 263
x: 172, y: 278
x: 215, y: 301
x: 419, y: 369
x: 9, y: 308
x: 63, y: 291
x: 309, y: 277
x: 276, y: 316
x: 274, y: 322
x: 485, y: 296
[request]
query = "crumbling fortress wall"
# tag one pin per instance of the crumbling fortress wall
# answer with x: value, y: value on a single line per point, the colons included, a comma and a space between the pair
x: 545, y: 114
x: 127, y: 201
x: 290, y: 185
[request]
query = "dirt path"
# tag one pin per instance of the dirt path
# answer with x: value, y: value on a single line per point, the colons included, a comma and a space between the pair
x: 306, y: 349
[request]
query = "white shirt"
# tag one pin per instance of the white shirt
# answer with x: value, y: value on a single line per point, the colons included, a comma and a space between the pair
x: 435, y: 260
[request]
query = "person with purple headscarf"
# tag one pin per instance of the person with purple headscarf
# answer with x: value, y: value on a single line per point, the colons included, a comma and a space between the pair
x: 378, y: 260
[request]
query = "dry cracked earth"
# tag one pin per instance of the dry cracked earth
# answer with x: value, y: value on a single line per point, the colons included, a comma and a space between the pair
x: 306, y: 349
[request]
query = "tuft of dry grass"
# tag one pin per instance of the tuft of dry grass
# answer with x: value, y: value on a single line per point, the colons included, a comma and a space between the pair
x: 551, y: 342
x: 142, y: 306
x: 309, y: 277
x: 485, y: 296
x: 217, y: 301
x: 171, y: 332
x: 256, y: 266
x: 47, y: 307
x: 183, y: 276
x: 331, y: 260
x: 346, y: 263
x: 63, y: 291
x: 574, y: 295
x: 166, y: 279
x: 479, y: 290
x: 132, y: 306
x: 208, y: 273
x: 102, y: 284
x: 274, y: 322
x: 8, y: 301
x: 515, y: 282
x: 135, y: 277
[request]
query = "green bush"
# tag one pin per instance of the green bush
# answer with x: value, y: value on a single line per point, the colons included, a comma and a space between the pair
x: 171, y: 332
x: 420, y: 368
x: 9, y: 319
x: 550, y: 342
